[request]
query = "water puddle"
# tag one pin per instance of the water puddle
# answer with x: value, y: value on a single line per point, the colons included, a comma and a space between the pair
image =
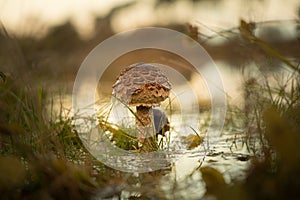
x: 180, y: 165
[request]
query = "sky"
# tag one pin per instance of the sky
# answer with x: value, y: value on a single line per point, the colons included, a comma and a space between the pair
x: 22, y: 16
x: 16, y: 15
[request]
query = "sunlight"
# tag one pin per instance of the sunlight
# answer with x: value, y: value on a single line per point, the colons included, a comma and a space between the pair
x: 16, y: 14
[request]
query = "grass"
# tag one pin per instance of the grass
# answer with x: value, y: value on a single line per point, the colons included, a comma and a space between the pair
x: 41, y: 151
x: 125, y: 137
x: 271, y: 122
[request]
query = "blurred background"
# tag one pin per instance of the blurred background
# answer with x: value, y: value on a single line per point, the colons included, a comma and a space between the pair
x: 48, y: 40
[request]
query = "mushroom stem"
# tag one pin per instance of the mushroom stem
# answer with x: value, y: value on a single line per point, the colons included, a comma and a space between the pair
x: 142, y: 113
x: 144, y: 122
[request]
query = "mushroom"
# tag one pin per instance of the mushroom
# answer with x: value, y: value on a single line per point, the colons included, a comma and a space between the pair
x: 142, y: 85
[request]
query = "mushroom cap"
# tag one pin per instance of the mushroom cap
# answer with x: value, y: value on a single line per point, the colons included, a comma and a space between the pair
x: 142, y: 84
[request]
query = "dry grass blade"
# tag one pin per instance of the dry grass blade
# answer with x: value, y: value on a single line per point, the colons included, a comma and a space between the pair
x: 246, y: 30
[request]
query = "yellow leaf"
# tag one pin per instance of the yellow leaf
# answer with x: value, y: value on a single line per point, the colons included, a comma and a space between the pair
x: 193, y: 141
